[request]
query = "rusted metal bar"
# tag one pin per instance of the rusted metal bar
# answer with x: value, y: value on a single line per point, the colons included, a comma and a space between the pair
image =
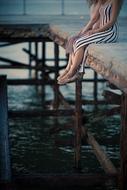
x: 112, y: 86
x: 40, y: 60
x: 63, y: 100
x: 8, y: 44
x: 123, y: 144
x: 56, y: 86
x: 29, y: 82
x: 95, y: 87
x: 36, y: 60
x: 105, y: 162
x: 5, y: 163
x: 12, y: 62
x: 19, y: 67
x: 22, y: 39
x: 92, y: 80
x: 43, y: 72
x: 92, y: 102
x: 112, y: 97
x: 78, y: 123
x: 30, y: 49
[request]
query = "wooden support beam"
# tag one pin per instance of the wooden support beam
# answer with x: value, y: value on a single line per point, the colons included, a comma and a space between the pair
x: 30, y: 49
x: 56, y: 86
x: 95, y: 89
x: 40, y: 60
x: 36, y: 58
x: 78, y: 123
x: 12, y: 62
x: 29, y: 82
x: 86, y: 101
x: 105, y: 162
x: 108, y: 112
x: 13, y: 39
x: 36, y: 113
x: 64, y: 101
x: 8, y: 44
x: 123, y: 144
x: 113, y: 111
x: 5, y: 164
x: 112, y: 97
x: 43, y: 71
x: 19, y: 67
x: 112, y: 86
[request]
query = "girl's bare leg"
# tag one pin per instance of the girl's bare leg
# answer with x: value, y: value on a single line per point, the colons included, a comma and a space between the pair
x: 76, y: 61
x: 66, y: 69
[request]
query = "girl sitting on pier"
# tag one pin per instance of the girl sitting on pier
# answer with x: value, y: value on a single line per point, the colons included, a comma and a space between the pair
x: 102, y: 28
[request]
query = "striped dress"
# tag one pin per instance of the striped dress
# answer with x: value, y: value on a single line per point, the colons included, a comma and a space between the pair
x: 108, y: 36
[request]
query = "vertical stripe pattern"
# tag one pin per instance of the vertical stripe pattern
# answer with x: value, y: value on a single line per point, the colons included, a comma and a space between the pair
x: 107, y: 36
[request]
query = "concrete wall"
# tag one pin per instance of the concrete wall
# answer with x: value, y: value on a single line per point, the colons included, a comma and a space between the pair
x: 47, y: 7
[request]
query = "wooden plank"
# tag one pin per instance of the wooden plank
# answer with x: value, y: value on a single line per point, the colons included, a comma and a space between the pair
x: 5, y: 164
x: 78, y: 123
x: 112, y: 65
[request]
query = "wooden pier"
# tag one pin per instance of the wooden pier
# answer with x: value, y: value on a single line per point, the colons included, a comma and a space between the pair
x: 109, y: 60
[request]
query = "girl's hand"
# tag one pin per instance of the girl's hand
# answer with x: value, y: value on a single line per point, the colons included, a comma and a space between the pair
x: 81, y: 32
x: 90, y: 32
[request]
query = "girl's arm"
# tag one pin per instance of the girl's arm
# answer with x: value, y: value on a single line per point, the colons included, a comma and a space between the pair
x: 94, y: 16
x: 114, y: 15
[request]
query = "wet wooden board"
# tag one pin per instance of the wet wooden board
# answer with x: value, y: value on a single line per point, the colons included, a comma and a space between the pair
x: 110, y: 60
x: 57, y: 28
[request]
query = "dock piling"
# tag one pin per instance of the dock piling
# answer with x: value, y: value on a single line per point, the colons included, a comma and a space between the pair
x: 78, y: 123
x: 123, y: 143
x: 56, y: 86
x: 5, y: 164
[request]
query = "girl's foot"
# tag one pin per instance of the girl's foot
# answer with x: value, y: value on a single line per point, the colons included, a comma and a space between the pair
x: 62, y: 75
x: 68, y: 79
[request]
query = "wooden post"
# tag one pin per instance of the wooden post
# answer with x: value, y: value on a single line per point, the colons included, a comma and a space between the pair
x: 30, y: 57
x: 95, y: 87
x: 123, y: 143
x: 56, y: 86
x: 43, y: 72
x: 30, y: 50
x: 5, y: 165
x: 36, y: 54
x: 78, y: 123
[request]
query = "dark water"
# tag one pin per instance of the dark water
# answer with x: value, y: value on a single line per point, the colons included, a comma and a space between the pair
x: 45, y: 144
